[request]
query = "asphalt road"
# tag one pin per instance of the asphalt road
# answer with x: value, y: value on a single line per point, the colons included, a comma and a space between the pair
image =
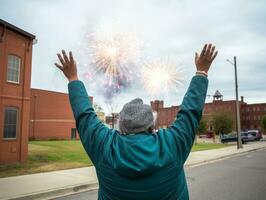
x: 242, y: 177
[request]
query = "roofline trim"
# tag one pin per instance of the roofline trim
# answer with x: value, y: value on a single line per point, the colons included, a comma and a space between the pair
x: 16, y: 29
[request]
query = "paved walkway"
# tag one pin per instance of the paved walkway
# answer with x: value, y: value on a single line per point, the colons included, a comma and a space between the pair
x: 45, y: 185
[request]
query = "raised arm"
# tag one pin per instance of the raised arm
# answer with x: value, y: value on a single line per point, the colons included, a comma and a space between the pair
x: 93, y: 133
x: 182, y: 131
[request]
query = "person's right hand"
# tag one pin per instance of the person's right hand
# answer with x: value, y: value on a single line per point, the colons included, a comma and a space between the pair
x: 68, y: 66
x: 204, y: 60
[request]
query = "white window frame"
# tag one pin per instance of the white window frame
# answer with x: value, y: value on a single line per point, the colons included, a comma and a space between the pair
x: 17, y: 109
x: 19, y: 67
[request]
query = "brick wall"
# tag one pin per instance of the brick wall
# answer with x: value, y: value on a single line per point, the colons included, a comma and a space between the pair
x: 15, y: 94
x: 51, y: 116
x: 250, y: 114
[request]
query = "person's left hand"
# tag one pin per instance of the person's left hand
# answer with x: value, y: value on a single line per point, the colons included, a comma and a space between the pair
x: 68, y: 66
x: 204, y: 60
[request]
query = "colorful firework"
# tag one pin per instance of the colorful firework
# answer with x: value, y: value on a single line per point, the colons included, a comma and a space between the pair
x: 161, y: 75
x: 113, y: 50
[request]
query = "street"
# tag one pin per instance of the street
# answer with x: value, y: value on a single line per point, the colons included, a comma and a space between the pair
x: 242, y: 177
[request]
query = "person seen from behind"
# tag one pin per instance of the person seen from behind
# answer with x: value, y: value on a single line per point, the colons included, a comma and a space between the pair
x: 135, y: 162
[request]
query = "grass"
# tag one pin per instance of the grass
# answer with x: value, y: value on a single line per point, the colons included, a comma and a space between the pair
x: 207, y: 146
x: 47, y: 156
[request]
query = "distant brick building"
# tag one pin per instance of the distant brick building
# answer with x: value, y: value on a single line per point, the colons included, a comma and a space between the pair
x: 165, y: 115
x: 51, y: 116
x: 15, y: 77
x: 250, y: 114
x: 219, y: 105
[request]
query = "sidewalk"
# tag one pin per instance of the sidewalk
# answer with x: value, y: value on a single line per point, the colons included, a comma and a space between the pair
x: 50, y: 184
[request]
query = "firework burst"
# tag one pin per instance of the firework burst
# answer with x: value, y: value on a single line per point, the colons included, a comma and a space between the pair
x: 113, y: 50
x: 161, y: 75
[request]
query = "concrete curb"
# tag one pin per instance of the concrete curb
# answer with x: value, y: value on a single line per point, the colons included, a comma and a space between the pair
x: 59, y: 192
x: 222, y: 158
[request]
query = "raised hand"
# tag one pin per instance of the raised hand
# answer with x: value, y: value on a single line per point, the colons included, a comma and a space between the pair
x: 204, y: 60
x: 68, y: 65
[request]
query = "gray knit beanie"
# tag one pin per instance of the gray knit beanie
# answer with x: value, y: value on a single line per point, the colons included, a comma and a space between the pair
x: 135, y: 117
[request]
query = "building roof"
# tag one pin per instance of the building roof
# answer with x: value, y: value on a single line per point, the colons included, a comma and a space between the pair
x: 16, y: 29
x: 217, y: 94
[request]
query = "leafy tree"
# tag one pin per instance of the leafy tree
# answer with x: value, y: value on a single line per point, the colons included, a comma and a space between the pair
x: 201, y: 129
x: 222, y: 123
x: 263, y: 122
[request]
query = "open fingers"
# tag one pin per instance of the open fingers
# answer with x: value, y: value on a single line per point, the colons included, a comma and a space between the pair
x: 212, y: 51
x: 65, y: 56
x: 214, y: 56
x: 61, y: 59
x: 71, y: 57
x: 58, y: 66
x: 203, y: 50
x: 196, y: 56
x: 207, y: 53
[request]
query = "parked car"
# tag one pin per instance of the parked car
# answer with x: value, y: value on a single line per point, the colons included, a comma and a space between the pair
x: 256, y: 134
x: 248, y: 137
x: 232, y: 137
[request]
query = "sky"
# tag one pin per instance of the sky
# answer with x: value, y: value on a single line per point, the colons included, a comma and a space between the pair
x: 176, y: 28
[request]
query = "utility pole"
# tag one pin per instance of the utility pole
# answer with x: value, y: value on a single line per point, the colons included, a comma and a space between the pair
x: 239, y: 141
x: 238, y: 126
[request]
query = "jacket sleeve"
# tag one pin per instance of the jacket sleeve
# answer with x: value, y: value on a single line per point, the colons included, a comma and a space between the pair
x: 182, y: 131
x: 93, y: 133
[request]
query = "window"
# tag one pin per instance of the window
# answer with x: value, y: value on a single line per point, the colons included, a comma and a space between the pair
x: 10, y: 122
x: 13, y: 68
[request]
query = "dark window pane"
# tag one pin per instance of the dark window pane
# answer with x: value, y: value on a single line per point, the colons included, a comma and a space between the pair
x: 10, y: 122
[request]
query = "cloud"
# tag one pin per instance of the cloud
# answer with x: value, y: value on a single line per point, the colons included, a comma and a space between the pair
x: 171, y: 27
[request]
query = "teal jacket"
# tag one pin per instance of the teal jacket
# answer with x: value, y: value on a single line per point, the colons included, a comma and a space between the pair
x: 143, y: 166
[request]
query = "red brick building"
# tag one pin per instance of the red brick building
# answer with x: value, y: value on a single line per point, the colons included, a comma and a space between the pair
x: 51, y: 116
x: 25, y: 112
x: 15, y: 76
x: 165, y: 115
x: 250, y: 114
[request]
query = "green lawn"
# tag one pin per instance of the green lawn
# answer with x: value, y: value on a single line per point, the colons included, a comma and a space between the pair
x: 47, y: 156
x: 207, y: 146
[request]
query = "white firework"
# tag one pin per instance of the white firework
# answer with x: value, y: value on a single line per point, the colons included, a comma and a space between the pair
x: 161, y: 75
x: 113, y: 49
